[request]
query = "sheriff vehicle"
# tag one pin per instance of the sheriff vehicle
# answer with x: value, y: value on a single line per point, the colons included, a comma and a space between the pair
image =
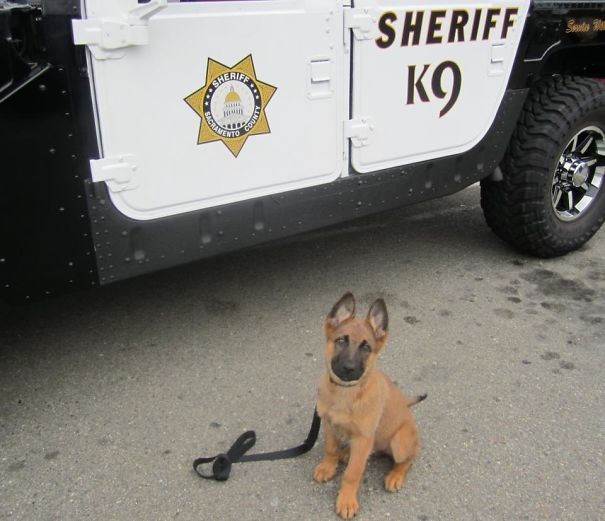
x: 135, y: 136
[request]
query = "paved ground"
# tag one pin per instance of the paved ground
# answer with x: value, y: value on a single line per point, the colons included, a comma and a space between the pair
x: 107, y: 396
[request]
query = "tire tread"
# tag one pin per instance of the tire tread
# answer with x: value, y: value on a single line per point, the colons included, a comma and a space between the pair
x: 515, y: 208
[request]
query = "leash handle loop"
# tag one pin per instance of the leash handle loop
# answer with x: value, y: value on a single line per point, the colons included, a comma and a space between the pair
x: 221, y: 463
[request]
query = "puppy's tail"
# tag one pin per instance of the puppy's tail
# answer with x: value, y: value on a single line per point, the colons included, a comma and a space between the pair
x: 416, y: 399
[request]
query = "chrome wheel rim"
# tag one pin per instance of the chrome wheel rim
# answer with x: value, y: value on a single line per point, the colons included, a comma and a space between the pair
x: 578, y: 177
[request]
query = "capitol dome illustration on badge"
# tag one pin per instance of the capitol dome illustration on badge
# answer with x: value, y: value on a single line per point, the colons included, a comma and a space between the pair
x: 233, y: 111
x: 231, y: 104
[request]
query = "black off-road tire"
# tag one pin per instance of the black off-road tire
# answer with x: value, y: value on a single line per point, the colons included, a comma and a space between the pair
x: 519, y: 209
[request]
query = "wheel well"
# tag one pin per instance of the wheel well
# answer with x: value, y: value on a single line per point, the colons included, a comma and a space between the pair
x: 586, y: 60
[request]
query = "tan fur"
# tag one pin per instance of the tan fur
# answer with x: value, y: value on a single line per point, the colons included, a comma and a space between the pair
x: 369, y: 415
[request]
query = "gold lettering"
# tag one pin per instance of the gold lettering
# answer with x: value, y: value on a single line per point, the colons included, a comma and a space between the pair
x: 574, y: 27
x: 598, y: 24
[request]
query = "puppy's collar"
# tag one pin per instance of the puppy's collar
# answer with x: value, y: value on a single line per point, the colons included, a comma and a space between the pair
x: 343, y: 385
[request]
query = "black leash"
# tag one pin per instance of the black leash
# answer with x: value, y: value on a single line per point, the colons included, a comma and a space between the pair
x: 221, y: 463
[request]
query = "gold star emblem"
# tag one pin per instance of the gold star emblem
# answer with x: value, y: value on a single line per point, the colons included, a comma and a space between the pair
x: 231, y: 104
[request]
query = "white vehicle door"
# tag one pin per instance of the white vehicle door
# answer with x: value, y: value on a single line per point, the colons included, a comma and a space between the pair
x: 207, y: 103
x: 428, y: 77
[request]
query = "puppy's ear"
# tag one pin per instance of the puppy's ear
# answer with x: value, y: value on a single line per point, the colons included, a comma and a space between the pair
x: 378, y: 318
x: 342, y: 310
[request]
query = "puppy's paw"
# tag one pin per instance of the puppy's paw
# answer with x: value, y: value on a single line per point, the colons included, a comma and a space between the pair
x: 346, y: 505
x: 324, y: 471
x: 393, y: 481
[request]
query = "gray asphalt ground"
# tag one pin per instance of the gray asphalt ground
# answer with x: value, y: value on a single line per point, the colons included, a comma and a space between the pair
x: 106, y: 396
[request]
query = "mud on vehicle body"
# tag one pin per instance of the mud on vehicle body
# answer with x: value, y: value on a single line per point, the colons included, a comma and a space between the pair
x: 139, y: 136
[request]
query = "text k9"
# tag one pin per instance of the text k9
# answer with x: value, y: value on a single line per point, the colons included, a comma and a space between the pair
x: 418, y: 81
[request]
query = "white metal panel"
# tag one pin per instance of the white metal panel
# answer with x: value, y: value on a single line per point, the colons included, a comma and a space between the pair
x: 140, y: 89
x: 403, y: 82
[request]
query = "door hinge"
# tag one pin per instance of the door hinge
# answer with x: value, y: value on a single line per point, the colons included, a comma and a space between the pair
x: 104, y: 36
x: 497, y: 59
x: 360, y: 21
x: 359, y: 131
x: 120, y: 173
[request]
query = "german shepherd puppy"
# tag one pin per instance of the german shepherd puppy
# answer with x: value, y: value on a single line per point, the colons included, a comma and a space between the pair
x: 361, y: 409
